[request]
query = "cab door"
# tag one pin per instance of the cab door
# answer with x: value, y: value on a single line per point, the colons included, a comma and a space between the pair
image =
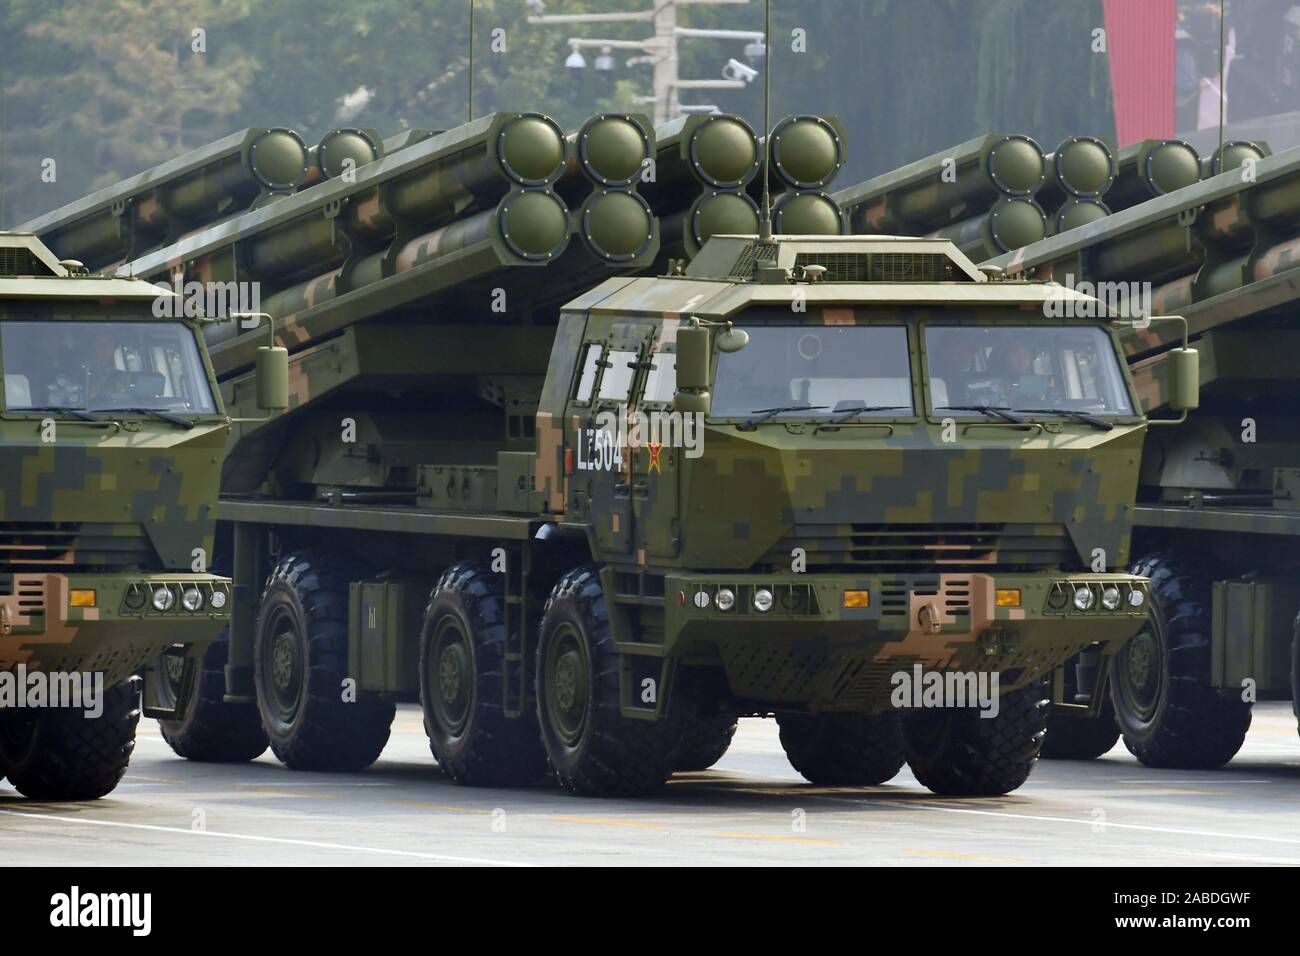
x: 656, y: 446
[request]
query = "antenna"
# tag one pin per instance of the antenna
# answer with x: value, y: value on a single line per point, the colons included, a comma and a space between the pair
x: 1222, y: 91
x: 471, y: 61
x: 765, y: 214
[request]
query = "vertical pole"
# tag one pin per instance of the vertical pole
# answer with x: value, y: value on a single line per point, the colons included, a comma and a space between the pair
x: 1222, y: 92
x: 665, y: 69
x: 765, y: 214
x: 471, y: 61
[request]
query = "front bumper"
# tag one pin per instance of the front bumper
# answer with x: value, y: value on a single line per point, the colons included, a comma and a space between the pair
x: 105, y: 622
x: 812, y: 649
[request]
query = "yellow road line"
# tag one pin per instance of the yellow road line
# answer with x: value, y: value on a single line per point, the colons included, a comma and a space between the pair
x: 778, y: 837
x: 250, y: 789
x: 954, y: 855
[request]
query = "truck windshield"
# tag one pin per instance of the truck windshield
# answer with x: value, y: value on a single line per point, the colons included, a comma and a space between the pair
x: 103, y: 366
x: 1024, y: 368
x: 834, y: 369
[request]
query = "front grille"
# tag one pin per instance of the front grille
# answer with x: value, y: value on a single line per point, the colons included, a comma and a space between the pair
x: 72, y: 544
x: 29, y: 590
x: 902, y: 546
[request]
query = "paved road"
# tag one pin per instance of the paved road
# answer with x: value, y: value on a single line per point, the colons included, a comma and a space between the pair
x: 751, y: 809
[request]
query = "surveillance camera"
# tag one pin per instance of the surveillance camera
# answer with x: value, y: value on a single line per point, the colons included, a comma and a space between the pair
x: 735, y: 70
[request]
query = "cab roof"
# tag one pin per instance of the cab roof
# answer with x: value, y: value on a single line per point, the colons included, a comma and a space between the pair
x: 29, y: 270
x: 732, y: 273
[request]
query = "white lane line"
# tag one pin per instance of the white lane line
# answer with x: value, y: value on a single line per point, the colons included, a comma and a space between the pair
x: 1089, y: 823
x: 36, y: 815
x: 1027, y: 816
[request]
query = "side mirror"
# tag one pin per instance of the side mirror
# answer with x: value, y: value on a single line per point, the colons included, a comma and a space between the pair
x: 272, y: 378
x: 693, y: 354
x: 1184, y: 379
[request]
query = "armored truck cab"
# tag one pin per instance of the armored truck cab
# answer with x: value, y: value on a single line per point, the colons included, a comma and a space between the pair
x: 112, y: 434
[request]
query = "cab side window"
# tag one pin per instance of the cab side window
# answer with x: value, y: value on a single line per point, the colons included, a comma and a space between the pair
x: 661, y: 380
x: 616, y: 383
x: 591, y: 363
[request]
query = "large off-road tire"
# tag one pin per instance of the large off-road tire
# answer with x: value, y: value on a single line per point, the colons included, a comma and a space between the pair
x: 956, y: 752
x: 61, y: 754
x: 462, y: 685
x: 704, y: 742
x: 211, y: 730
x: 1079, y: 737
x: 300, y: 663
x: 1169, y: 714
x: 594, y: 750
x: 843, y: 750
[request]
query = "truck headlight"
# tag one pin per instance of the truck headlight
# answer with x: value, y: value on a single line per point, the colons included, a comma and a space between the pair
x: 218, y: 599
x: 192, y: 599
x: 763, y: 600
x: 1110, y: 597
x: 726, y: 599
x: 1136, y: 598
x: 163, y: 598
x: 1084, y: 598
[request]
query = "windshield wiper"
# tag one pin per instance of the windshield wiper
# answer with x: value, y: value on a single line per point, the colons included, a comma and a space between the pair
x: 82, y: 413
x: 846, y: 410
x: 157, y: 413
x: 1092, y: 420
x: 763, y: 414
x: 998, y: 411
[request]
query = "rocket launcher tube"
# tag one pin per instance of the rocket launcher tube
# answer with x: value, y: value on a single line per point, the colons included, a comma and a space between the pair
x: 923, y: 195
x: 1010, y: 224
x: 806, y: 151
x: 1081, y: 167
x: 467, y: 252
x: 807, y: 213
x: 121, y: 221
x: 717, y: 152
x: 1152, y: 168
x: 341, y: 150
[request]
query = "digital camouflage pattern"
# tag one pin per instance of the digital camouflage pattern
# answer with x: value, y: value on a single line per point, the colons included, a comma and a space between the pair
x: 110, y: 507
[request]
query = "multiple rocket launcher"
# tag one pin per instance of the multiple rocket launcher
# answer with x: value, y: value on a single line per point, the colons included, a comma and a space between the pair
x: 356, y: 225
x: 997, y: 193
x: 369, y: 225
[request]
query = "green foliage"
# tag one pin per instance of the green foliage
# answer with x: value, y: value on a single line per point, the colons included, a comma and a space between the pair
x: 112, y: 88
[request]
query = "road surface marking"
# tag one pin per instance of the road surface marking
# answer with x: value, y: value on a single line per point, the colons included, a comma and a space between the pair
x: 286, y: 841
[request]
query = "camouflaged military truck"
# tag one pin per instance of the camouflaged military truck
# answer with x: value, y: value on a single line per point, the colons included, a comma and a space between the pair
x: 765, y: 485
x: 588, y: 517
x: 111, y: 439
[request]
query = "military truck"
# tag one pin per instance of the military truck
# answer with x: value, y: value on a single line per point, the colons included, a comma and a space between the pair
x: 588, y: 517
x: 112, y: 433
x: 1217, y: 513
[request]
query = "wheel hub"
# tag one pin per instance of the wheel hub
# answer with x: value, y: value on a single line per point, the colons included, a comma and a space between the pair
x: 450, y: 677
x: 282, y: 659
x: 566, y: 686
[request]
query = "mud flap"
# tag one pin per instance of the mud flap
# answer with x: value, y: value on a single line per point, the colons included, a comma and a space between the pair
x: 154, y: 703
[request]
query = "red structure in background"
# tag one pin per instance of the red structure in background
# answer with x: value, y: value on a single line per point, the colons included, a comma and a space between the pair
x: 1140, y: 46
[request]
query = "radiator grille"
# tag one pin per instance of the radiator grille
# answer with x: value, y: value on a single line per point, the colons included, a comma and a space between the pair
x: 909, y: 546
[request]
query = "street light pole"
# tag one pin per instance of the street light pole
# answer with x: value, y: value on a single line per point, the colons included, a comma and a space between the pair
x: 660, y: 49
